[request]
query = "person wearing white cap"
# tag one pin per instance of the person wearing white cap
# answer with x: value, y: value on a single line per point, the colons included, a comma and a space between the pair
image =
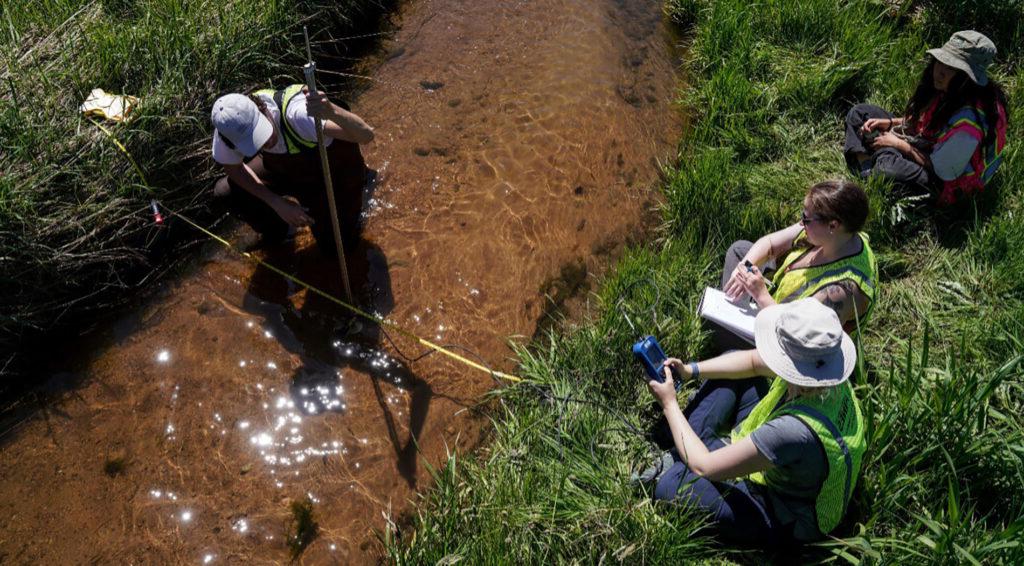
x: 950, y: 139
x: 786, y: 471
x: 266, y: 142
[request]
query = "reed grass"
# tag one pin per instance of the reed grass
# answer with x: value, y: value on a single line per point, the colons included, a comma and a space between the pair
x: 75, y: 233
x: 943, y: 482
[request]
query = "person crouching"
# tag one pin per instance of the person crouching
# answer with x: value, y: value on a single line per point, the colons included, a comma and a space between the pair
x: 267, y: 144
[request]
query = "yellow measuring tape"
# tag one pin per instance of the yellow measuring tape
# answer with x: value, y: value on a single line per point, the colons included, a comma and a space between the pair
x: 354, y: 309
x: 296, y: 280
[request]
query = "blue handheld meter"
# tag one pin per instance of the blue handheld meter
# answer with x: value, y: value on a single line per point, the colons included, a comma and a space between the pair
x: 650, y: 354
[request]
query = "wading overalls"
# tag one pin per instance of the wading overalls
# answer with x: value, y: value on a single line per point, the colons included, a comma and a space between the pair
x: 298, y: 173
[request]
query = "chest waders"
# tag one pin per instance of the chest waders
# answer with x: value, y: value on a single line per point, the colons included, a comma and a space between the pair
x: 298, y: 172
x: 792, y: 284
x: 837, y: 422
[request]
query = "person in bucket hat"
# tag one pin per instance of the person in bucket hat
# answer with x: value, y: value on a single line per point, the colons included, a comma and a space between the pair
x: 950, y: 139
x: 773, y: 462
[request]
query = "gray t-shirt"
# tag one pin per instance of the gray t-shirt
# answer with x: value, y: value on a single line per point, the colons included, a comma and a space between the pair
x: 800, y: 469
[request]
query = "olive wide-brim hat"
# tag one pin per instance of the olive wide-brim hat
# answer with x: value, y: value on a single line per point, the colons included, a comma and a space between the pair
x: 803, y: 343
x: 968, y: 51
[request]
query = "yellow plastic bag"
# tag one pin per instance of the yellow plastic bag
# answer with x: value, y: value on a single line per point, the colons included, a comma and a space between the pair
x: 116, y: 107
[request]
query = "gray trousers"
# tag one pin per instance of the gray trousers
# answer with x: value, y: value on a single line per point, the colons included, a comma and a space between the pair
x: 722, y: 339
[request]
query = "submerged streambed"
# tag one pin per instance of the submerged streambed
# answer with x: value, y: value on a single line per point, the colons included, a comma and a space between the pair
x: 517, y: 144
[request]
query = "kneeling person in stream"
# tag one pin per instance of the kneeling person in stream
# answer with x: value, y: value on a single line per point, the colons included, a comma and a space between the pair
x: 267, y: 144
x: 787, y: 465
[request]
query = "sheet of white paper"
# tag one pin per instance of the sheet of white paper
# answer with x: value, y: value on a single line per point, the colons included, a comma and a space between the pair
x: 738, y: 319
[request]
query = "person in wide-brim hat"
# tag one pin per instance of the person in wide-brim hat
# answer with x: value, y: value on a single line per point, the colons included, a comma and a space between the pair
x: 949, y: 140
x: 774, y: 462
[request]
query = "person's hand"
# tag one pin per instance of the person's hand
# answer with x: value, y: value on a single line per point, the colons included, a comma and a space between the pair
x: 888, y: 139
x: 751, y: 280
x: 877, y: 124
x: 681, y: 368
x: 292, y: 213
x: 664, y: 391
x: 734, y: 288
x: 319, y: 106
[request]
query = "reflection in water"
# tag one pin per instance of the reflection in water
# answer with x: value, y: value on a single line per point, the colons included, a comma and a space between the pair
x: 234, y: 394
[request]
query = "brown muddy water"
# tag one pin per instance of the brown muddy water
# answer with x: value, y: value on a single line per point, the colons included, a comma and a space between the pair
x: 518, y: 144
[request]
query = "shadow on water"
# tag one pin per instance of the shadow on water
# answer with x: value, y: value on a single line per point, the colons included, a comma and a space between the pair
x: 327, y: 338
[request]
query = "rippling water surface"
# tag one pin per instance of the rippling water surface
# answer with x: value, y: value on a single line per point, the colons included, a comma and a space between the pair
x: 517, y: 146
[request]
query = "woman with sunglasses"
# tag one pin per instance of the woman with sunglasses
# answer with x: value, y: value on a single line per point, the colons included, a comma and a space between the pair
x: 949, y: 141
x: 824, y: 255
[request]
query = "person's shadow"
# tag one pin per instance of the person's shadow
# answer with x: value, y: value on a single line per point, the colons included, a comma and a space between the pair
x: 327, y: 337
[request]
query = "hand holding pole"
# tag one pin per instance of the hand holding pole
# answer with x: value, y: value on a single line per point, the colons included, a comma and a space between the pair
x: 309, y: 70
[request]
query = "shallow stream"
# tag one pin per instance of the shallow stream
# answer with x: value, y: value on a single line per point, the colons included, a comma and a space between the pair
x: 518, y: 144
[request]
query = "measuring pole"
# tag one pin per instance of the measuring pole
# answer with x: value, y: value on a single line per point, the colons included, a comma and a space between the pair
x: 309, y: 70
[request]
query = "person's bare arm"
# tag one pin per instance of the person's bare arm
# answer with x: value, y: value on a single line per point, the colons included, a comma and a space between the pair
x: 881, y: 124
x: 769, y: 246
x: 737, y: 364
x: 728, y: 462
x: 889, y: 139
x: 290, y: 212
x: 841, y: 297
x: 338, y: 123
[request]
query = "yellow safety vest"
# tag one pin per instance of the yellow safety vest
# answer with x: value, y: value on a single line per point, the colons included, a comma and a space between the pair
x: 839, y: 425
x: 800, y: 283
x: 282, y: 98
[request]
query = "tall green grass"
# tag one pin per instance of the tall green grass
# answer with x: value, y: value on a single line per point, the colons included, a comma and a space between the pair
x: 74, y: 231
x: 943, y: 482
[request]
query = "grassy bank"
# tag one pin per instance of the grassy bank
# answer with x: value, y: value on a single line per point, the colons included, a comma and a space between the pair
x: 944, y: 479
x: 75, y: 234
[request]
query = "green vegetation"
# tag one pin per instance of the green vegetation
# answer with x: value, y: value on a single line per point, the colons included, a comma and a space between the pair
x: 74, y: 224
x: 943, y: 482
x: 302, y: 528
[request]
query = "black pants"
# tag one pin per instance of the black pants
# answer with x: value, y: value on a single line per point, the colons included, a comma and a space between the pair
x: 301, y: 176
x: 886, y: 162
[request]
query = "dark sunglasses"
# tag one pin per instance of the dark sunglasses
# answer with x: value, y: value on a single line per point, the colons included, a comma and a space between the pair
x: 805, y: 219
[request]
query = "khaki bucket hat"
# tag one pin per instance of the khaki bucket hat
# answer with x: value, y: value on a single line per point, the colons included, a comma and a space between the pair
x: 968, y: 51
x: 803, y: 343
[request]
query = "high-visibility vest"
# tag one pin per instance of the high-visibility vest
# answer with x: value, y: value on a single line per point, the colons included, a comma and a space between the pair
x: 793, y: 284
x: 282, y: 98
x: 836, y: 420
x: 986, y: 158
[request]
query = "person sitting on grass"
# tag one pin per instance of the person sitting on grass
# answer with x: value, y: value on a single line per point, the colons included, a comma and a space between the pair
x: 950, y: 139
x: 824, y: 255
x: 793, y: 455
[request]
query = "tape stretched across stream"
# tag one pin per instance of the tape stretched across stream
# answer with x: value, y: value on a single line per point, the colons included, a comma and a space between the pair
x: 517, y: 147
x: 352, y: 308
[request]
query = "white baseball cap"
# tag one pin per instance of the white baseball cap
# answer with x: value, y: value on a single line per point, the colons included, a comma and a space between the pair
x: 803, y: 343
x: 240, y: 123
